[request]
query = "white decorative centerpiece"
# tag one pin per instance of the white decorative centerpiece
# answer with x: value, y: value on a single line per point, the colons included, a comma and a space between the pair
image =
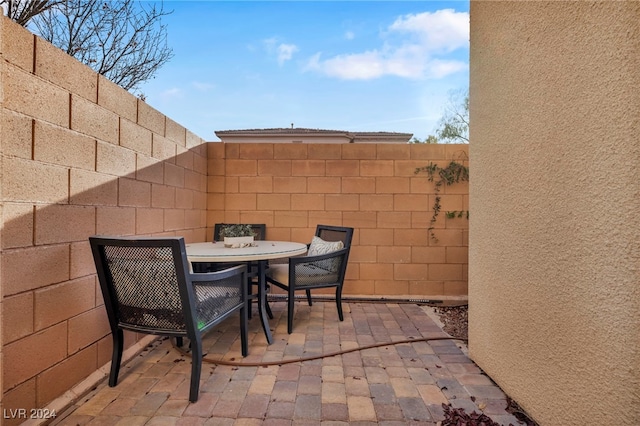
x: 237, y: 236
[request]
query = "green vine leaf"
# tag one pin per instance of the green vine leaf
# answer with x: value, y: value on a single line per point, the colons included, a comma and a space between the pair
x: 454, y: 172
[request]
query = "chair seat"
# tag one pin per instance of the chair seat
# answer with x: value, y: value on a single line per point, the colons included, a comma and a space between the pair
x: 305, y: 274
x: 147, y: 288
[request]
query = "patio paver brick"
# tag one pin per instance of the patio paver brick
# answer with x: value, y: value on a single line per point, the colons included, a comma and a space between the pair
x: 386, y: 385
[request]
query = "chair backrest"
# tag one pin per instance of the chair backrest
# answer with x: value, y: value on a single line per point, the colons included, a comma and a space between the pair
x: 259, y: 229
x: 144, y: 284
x: 335, y: 233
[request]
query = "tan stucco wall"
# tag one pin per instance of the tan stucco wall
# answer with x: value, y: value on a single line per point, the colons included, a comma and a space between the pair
x: 555, y: 194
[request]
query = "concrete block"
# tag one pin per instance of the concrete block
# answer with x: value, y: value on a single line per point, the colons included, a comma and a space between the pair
x: 115, y: 160
x: 175, y: 132
x: 16, y: 133
x: 428, y: 151
x: 195, y: 181
x: 17, y: 44
x: 241, y: 168
x: 55, y: 66
x: 18, y: 277
x: 87, y: 328
x: 281, y: 184
x: 163, y: 196
x: 359, y: 151
x: 34, y: 97
x: 92, y: 188
x: 173, y: 219
x: 376, y: 168
x: 393, y: 151
x: 256, y: 151
x: 308, y: 168
x: 340, y: 202
x: 150, y: 118
x: 343, y: 168
x: 445, y: 272
x: 321, y: 184
x: 115, y: 220
x: 173, y: 175
x: 270, y: 202
x: 194, y: 140
x: 358, y: 185
x: 33, y: 354
x: 149, y: 169
x: 163, y: 149
x: 412, y: 202
x: 116, y: 99
x: 57, y: 303
x: 374, y: 202
x: 308, y: 202
x: 17, y: 317
x: 149, y: 221
x: 324, y: 151
x: 81, y: 263
x: 185, y: 158
x: 393, y: 185
x: 290, y: 151
x: 63, y: 376
x: 134, y: 193
x: 17, y: 229
x: 30, y: 181
x: 273, y: 167
x: 93, y: 120
x: 59, y: 145
x: 184, y: 199
x: 135, y: 137
x: 61, y: 223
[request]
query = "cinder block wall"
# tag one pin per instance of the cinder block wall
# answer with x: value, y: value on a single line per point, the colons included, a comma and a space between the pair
x: 370, y: 187
x: 79, y: 156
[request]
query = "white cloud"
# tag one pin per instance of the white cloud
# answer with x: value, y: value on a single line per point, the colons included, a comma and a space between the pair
x: 415, y: 47
x: 444, y: 30
x: 349, y: 35
x: 172, y: 93
x: 283, y: 51
x: 202, y: 87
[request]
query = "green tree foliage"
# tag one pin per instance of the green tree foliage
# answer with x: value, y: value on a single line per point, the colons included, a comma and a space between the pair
x: 453, y: 127
x: 429, y: 139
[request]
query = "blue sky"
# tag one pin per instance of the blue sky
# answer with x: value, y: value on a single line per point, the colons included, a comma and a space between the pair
x: 345, y: 65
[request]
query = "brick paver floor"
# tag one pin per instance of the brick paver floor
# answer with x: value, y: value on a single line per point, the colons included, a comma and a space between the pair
x: 396, y: 384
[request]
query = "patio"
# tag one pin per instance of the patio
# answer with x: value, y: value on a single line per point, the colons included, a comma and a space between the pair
x: 404, y: 383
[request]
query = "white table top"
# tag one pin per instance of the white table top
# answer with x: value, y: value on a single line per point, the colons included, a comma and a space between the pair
x: 217, y: 252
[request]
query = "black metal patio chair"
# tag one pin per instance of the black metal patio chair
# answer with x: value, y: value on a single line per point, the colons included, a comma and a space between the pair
x: 260, y: 231
x: 147, y: 288
x: 323, y: 266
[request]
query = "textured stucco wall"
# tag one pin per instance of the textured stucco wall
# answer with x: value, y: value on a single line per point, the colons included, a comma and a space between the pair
x: 554, y: 193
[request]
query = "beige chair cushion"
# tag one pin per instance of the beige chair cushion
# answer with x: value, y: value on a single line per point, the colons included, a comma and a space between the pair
x: 306, y: 274
x: 319, y: 246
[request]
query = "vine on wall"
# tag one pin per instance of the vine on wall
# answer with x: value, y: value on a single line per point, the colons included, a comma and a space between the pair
x: 454, y: 172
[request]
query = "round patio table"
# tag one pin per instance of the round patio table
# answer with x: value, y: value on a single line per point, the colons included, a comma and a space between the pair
x: 260, y: 252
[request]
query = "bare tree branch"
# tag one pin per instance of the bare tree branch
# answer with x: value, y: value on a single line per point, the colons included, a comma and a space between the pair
x: 22, y: 11
x: 123, y: 40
